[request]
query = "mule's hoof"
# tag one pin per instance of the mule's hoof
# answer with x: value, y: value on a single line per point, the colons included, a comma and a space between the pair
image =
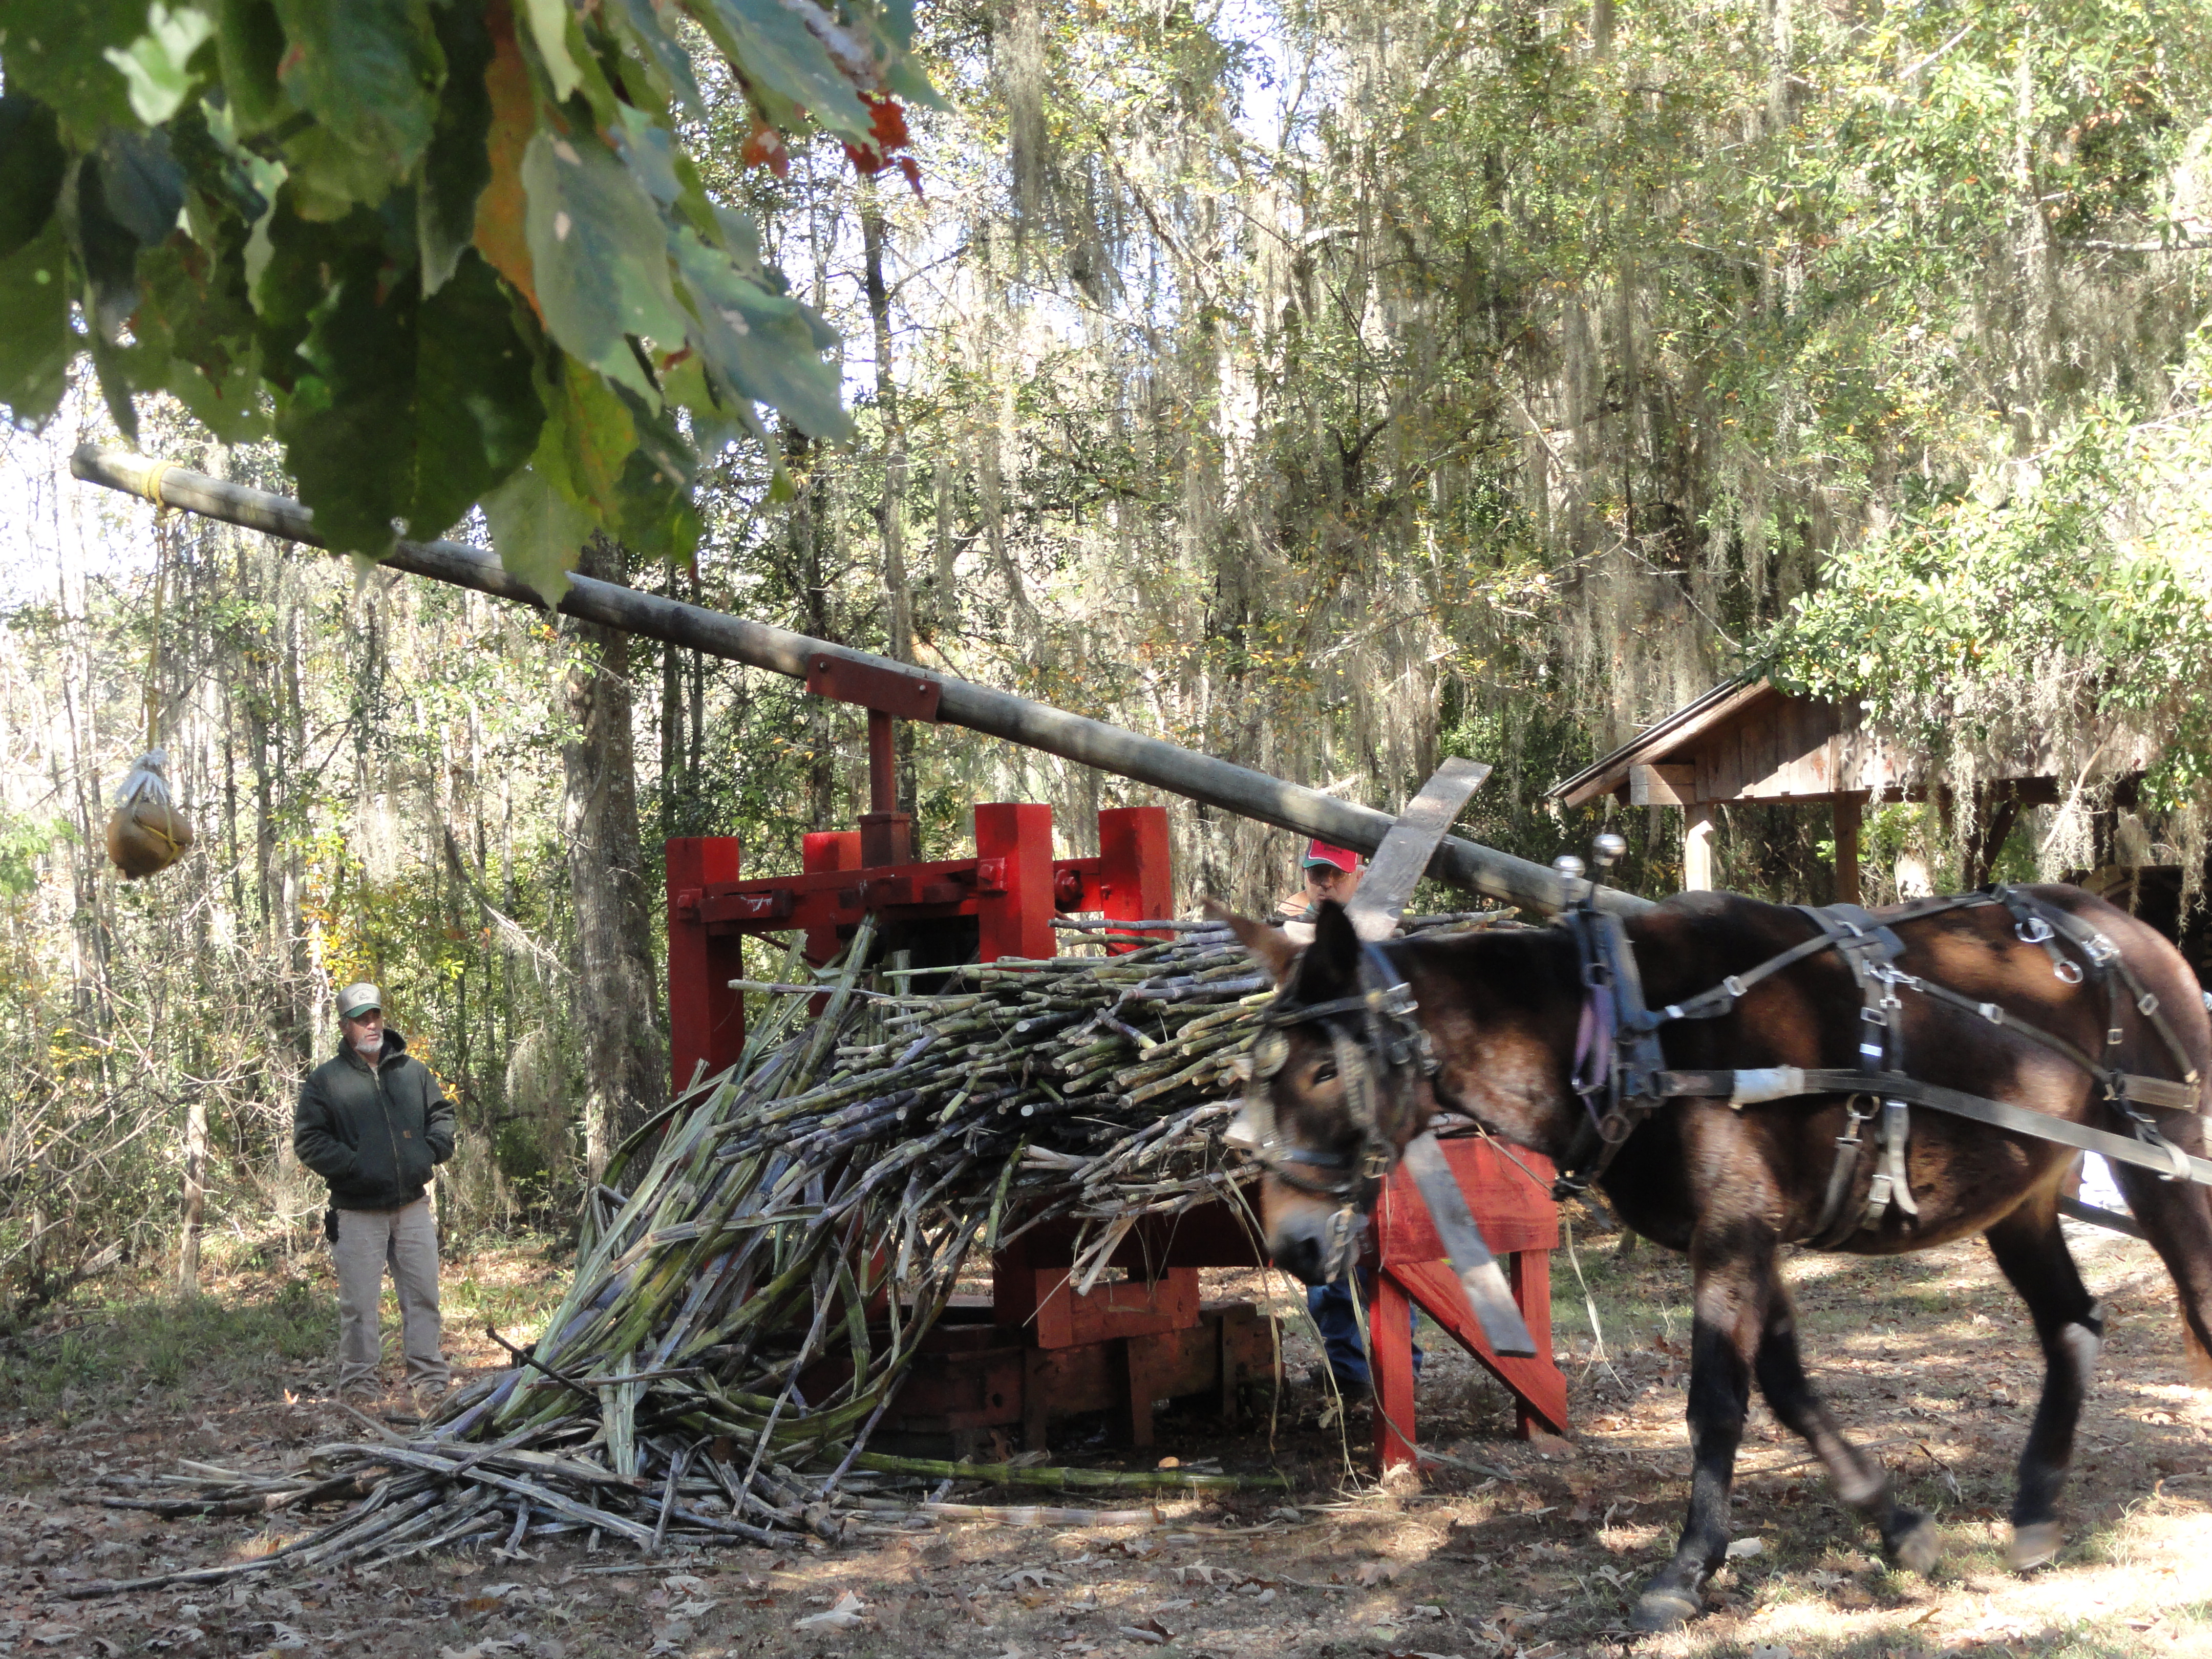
x: 1918, y: 1547
x: 1663, y: 1610
x: 2032, y: 1547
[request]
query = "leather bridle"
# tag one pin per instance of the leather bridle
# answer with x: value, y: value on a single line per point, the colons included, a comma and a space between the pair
x: 1382, y: 1055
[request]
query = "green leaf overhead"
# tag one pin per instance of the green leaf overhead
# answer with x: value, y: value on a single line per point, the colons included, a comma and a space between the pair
x: 552, y: 25
x: 791, y: 59
x: 369, y: 71
x: 424, y: 240
x: 105, y: 252
x: 596, y: 241
x: 158, y: 64
x: 767, y: 348
x: 56, y: 52
x: 458, y: 166
x: 650, y: 41
x: 32, y: 165
x: 194, y: 328
x: 35, y: 348
x: 538, y: 531
x: 412, y: 408
x: 142, y: 184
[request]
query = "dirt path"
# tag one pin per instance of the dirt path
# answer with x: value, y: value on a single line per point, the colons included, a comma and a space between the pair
x: 1527, y: 1550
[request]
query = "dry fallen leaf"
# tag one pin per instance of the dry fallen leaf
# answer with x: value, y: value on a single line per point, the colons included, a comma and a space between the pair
x: 1372, y: 1573
x: 847, y: 1613
x: 1744, y: 1547
x: 1150, y: 1630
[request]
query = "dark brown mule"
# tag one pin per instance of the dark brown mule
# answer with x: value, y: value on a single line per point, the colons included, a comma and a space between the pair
x: 1731, y: 1186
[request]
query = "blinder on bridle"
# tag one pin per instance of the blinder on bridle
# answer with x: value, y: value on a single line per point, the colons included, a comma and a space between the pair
x: 1382, y: 1056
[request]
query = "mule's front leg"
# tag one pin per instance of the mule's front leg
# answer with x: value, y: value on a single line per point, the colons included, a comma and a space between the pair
x: 1733, y: 1272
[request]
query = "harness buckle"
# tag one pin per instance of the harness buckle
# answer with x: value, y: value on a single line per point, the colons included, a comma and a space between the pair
x: 2068, y: 972
x: 1875, y: 1015
x: 2100, y: 949
x: 1854, y: 1117
x: 2145, y: 1005
x: 2113, y: 1037
x: 1991, y: 1013
x: 1733, y: 987
x: 2033, y: 930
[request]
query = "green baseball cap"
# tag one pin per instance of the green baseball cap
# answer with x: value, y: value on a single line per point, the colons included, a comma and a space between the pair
x: 358, y: 999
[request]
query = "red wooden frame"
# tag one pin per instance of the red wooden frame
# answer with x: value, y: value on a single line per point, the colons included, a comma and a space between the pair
x: 1513, y: 1205
x: 1014, y: 887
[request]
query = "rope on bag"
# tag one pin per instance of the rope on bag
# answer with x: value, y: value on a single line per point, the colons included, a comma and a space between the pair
x: 162, y: 532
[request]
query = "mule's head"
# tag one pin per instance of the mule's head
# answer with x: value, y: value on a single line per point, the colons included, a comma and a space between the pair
x: 1497, y: 1011
x: 1338, y: 1087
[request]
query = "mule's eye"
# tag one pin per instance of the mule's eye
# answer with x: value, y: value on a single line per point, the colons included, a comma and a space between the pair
x: 1325, y: 1071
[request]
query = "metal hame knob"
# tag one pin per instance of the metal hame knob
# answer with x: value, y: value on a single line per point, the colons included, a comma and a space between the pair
x: 1569, y: 866
x: 1609, y: 849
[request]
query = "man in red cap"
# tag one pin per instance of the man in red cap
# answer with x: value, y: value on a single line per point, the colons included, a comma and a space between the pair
x: 1331, y: 872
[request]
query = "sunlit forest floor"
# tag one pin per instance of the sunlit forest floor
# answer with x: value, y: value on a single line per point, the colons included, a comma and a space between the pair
x: 1532, y: 1550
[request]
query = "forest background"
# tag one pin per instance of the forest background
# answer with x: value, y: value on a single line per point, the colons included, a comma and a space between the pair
x: 1329, y: 387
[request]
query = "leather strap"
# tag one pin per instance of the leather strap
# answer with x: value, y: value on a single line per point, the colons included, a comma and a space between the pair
x: 2160, y: 1158
x: 1835, y: 1224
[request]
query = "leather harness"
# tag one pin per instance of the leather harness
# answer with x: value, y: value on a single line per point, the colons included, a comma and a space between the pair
x: 1622, y: 1076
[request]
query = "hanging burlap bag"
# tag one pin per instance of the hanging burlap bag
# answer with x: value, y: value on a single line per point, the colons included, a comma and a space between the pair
x: 146, y: 833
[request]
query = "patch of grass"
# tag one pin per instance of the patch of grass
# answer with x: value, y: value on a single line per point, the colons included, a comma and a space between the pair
x: 514, y: 1288
x: 110, y: 1352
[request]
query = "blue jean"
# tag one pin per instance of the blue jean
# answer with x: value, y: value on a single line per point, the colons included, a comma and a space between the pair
x: 1331, y: 1307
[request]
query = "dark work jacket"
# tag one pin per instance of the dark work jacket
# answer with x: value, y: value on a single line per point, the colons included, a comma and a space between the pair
x: 374, y: 1135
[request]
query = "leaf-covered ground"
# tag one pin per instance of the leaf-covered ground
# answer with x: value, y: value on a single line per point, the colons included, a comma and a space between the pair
x: 1509, y: 1548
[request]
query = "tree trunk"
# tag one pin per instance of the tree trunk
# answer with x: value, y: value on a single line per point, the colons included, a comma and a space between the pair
x: 618, y: 996
x: 879, y: 312
x: 893, y: 506
x: 195, y: 1199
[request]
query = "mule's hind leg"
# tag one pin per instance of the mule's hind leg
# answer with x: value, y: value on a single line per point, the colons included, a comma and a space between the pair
x: 2177, y: 1218
x: 1734, y: 1275
x: 1908, y: 1535
x: 2069, y: 1323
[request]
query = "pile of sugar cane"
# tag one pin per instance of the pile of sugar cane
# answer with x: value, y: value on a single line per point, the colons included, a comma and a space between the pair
x: 819, y: 1201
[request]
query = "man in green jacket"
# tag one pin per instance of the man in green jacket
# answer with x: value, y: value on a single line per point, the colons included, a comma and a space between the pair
x: 374, y: 1124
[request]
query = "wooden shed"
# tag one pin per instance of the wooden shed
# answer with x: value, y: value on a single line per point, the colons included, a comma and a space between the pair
x: 1748, y: 740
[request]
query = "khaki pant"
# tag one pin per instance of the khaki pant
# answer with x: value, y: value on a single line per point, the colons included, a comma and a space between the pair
x: 406, y: 1241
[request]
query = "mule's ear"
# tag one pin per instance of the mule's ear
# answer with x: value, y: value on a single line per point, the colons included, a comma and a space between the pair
x: 1277, y: 952
x: 1331, y: 968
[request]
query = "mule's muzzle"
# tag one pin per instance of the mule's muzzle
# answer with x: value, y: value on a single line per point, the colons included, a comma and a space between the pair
x: 1302, y: 1256
x: 1312, y: 1241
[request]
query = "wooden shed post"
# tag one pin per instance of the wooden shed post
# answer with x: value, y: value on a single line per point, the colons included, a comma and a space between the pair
x: 1848, y: 809
x: 1698, y: 847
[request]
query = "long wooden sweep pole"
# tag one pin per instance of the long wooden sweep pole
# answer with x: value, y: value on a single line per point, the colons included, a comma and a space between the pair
x: 1167, y: 766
